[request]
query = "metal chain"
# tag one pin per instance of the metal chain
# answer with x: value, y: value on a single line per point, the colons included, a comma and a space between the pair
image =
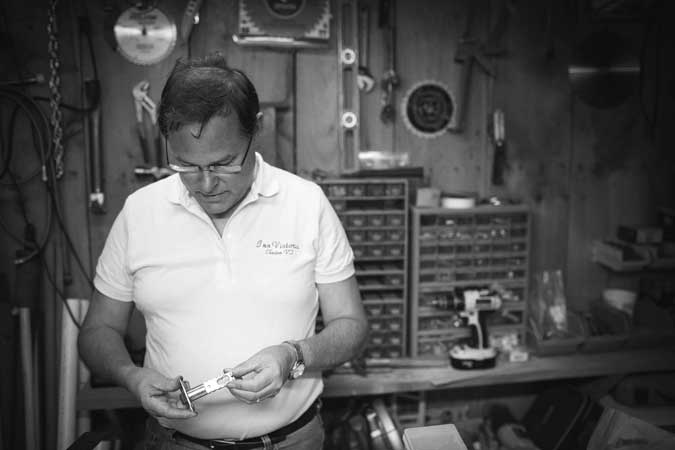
x: 54, y: 89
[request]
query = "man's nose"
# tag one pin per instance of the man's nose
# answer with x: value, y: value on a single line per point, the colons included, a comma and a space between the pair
x: 208, y: 181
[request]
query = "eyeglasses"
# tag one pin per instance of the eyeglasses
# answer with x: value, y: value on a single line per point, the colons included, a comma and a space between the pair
x: 218, y: 169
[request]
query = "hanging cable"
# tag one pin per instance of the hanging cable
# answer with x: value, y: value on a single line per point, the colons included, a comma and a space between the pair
x: 19, y: 102
x: 39, y: 131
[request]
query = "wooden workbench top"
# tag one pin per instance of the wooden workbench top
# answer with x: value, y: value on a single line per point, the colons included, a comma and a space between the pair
x: 423, y: 379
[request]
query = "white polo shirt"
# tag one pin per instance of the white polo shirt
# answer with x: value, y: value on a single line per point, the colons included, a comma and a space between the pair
x: 210, y: 302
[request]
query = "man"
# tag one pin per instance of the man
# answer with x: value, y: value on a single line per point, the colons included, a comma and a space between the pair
x: 229, y: 261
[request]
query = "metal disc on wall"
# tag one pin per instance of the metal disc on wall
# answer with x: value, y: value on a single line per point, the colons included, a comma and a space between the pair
x: 285, y: 18
x: 145, y: 36
x: 427, y: 109
x: 603, y: 72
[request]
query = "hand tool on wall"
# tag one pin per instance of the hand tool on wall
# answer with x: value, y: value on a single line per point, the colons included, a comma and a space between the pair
x: 188, y: 396
x: 148, y: 134
x: 472, y: 51
x: 91, y: 121
x: 92, y: 90
x: 499, y: 162
x: 365, y: 79
x: 190, y: 18
x: 466, y: 54
x: 347, y: 80
x: 390, y: 79
x: 285, y: 24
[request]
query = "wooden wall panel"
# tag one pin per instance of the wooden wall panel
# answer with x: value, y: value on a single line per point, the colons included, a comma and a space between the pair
x: 268, y: 69
x: 532, y: 91
x: 588, y: 218
x: 428, y: 33
x: 317, y: 114
x: 582, y: 171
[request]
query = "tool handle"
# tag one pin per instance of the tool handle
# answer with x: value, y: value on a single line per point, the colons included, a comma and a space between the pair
x: 143, y: 141
x: 499, y: 164
x: 477, y: 321
x: 190, y: 18
x: 97, y: 195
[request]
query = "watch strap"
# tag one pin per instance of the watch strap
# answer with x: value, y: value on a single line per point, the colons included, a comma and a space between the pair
x: 300, y: 359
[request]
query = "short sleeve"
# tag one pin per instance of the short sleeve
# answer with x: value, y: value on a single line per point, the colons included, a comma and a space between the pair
x: 113, y: 277
x: 335, y: 259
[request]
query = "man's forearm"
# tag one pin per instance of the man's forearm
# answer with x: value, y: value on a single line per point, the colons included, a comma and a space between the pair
x: 341, y: 340
x: 104, y: 352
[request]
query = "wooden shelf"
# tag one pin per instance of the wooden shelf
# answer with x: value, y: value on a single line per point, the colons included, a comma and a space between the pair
x: 374, y: 212
x: 402, y: 380
x: 366, y: 198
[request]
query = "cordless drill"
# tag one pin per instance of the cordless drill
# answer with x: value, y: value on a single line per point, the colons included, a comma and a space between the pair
x: 474, y: 305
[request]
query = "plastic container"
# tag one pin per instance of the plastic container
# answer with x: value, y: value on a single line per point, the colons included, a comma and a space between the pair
x: 557, y: 346
x: 621, y: 299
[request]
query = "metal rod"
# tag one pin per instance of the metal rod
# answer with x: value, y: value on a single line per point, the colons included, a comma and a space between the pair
x: 27, y: 374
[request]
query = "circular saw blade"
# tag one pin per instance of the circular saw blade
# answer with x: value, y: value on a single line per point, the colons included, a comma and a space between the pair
x: 285, y: 18
x: 427, y: 109
x: 145, y: 36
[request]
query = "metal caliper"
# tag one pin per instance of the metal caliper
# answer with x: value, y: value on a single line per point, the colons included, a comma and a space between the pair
x: 188, y: 396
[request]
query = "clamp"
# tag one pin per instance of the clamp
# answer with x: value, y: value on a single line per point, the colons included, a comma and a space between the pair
x: 148, y: 135
x: 143, y: 102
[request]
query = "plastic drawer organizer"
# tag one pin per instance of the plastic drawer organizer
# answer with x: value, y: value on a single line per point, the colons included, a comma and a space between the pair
x: 373, y: 213
x: 474, y: 247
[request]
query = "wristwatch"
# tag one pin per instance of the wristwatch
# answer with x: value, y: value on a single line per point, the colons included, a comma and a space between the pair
x: 299, y: 366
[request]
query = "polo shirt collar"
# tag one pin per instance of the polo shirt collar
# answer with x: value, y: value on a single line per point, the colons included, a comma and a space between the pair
x: 265, y: 184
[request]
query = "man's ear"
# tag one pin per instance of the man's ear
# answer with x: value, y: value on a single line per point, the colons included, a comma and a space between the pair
x: 258, y: 121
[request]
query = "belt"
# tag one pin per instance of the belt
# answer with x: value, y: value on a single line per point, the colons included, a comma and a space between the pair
x: 273, y: 437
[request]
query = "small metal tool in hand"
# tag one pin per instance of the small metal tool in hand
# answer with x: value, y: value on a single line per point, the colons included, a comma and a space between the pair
x: 188, y: 396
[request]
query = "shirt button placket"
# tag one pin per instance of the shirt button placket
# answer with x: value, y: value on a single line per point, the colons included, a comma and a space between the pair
x: 226, y: 246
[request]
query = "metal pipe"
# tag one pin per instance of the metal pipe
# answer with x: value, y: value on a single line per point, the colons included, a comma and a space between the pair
x: 27, y: 375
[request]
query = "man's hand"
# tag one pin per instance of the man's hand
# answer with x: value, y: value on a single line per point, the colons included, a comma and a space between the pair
x: 263, y: 374
x: 158, y: 394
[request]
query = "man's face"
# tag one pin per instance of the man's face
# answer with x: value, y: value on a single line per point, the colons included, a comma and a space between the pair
x: 220, y: 143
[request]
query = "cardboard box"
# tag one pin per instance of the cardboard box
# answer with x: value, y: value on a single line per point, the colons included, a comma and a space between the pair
x: 428, y: 197
x: 433, y: 437
x: 640, y: 234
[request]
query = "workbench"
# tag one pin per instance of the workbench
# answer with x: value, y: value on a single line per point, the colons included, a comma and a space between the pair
x: 402, y: 380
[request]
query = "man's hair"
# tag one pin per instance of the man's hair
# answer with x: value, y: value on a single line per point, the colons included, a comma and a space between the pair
x: 201, y: 88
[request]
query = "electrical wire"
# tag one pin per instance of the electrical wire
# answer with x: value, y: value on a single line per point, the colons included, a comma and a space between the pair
x: 16, y: 184
x: 8, y: 156
x: 31, y: 110
x: 69, y: 241
x: 41, y: 133
x: 58, y: 291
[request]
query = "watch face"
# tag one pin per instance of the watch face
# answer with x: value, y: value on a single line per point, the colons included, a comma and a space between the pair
x: 297, y: 371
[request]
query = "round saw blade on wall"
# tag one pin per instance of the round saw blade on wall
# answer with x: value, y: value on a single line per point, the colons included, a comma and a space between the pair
x: 285, y: 18
x: 145, y: 36
x: 428, y: 108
